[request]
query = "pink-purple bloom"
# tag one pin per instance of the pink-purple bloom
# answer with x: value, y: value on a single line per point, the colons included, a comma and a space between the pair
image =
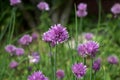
x: 38, y: 75
x: 116, y: 9
x: 19, y: 51
x: 82, y: 50
x: 88, y: 36
x: 79, y: 70
x: 25, y: 40
x: 55, y: 35
x: 14, y: 2
x: 88, y: 48
x: 34, y: 58
x: 92, y: 48
x: 35, y: 36
x: 10, y: 49
x: 81, y: 12
x: 43, y: 6
x: 60, y: 74
x: 13, y: 64
x: 96, y: 65
x: 113, y: 59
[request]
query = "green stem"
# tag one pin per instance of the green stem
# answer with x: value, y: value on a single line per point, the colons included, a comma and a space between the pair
x: 91, y: 69
x: 84, y: 61
x: 13, y: 24
x: 81, y: 26
x: 55, y: 60
x: 99, y: 15
x: 76, y: 27
x: 51, y: 59
x: 95, y: 75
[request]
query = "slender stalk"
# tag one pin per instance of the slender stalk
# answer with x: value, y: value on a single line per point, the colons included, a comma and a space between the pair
x: 55, y: 60
x: 91, y: 69
x: 95, y: 75
x: 13, y: 24
x: 81, y: 26
x: 76, y: 27
x: 99, y: 15
x: 51, y: 59
x: 84, y: 61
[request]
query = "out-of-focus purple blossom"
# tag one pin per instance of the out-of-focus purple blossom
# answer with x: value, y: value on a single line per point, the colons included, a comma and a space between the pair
x: 14, y: 2
x: 88, y: 36
x: 43, y: 6
x: 10, y: 48
x: 82, y: 6
x: 56, y: 34
x: 96, y: 65
x: 35, y: 36
x: 37, y: 76
x: 19, y: 51
x: 79, y: 70
x: 81, y: 12
x: 113, y: 59
x: 25, y: 40
x: 60, y: 74
x: 13, y: 64
x: 82, y: 50
x: 88, y: 48
x: 91, y: 48
x: 116, y: 9
x: 34, y: 58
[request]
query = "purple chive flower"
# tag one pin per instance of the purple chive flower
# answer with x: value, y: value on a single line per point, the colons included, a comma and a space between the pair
x: 37, y: 76
x: 14, y: 2
x: 19, y: 51
x: 35, y: 36
x: 96, y: 65
x: 88, y: 36
x: 79, y: 70
x: 34, y: 58
x: 113, y: 59
x: 25, y: 40
x: 81, y: 12
x: 43, y: 6
x: 82, y: 50
x: 56, y: 34
x: 91, y: 48
x: 116, y: 9
x: 82, y: 6
x: 88, y: 48
x: 60, y: 74
x: 11, y: 49
x: 13, y: 64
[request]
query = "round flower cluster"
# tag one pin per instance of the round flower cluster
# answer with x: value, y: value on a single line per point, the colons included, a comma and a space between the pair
x: 60, y: 74
x: 96, y: 64
x: 43, y: 6
x: 116, y: 9
x: 25, y: 40
x: 81, y: 12
x: 56, y: 34
x: 13, y: 64
x: 14, y: 50
x: 88, y: 48
x: 79, y: 70
x: 34, y: 58
x: 88, y: 36
x: 37, y: 76
x: 113, y: 59
x: 14, y: 2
